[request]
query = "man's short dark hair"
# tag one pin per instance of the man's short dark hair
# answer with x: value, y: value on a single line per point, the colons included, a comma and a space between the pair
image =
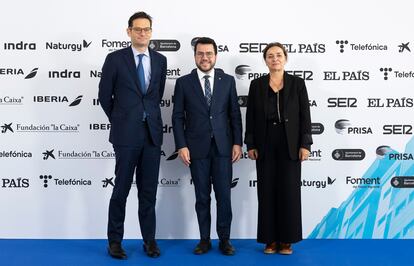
x: 205, y: 40
x: 137, y: 15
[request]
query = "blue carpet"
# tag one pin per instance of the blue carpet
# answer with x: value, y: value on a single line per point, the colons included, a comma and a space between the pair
x: 179, y: 252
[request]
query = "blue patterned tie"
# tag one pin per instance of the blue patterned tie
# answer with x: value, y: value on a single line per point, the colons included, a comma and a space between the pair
x: 141, y: 75
x: 207, y: 88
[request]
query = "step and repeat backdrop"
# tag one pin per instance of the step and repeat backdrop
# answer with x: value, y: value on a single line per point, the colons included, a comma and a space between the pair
x: 57, y: 166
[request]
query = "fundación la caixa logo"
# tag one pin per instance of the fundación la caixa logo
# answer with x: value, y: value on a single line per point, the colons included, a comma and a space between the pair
x: 39, y: 128
x: 76, y: 154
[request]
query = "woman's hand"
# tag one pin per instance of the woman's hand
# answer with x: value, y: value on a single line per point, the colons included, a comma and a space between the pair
x: 253, y: 155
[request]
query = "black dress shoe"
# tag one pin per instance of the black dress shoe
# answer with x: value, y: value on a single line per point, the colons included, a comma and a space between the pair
x: 226, y: 248
x: 203, y: 246
x: 151, y: 248
x: 116, y: 251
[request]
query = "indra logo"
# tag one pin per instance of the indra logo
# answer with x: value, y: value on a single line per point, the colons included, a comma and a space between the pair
x: 15, y: 182
x: 343, y: 126
x: 385, y: 71
x: 48, y: 154
x: 317, y: 128
x: 404, y: 47
x: 64, y: 74
x: 64, y: 181
x: 45, y: 179
x: 402, y: 181
x: 381, y: 151
x: 220, y: 47
x: 74, y: 47
x: 108, y: 181
x: 7, y: 127
x: 19, y: 46
x: 165, y: 45
x: 342, y: 44
x: 348, y: 154
x: 318, y: 183
x: 241, y: 71
x: 56, y: 99
x: 8, y: 71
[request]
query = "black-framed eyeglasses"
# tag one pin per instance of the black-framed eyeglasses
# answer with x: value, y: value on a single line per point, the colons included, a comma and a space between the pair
x: 139, y: 30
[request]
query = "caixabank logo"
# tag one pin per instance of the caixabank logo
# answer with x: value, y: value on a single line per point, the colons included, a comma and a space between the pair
x: 108, y: 182
x: 221, y: 48
x: 348, y: 154
x: 319, y: 184
x: 14, y: 183
x: 291, y: 48
x: 57, y: 99
x: 52, y: 154
x: 363, y: 182
x: 50, y: 180
x: 404, y: 47
x: 19, y: 46
x: 245, y: 72
x: 11, y: 100
x: 68, y: 46
x: 389, y: 72
x: 344, y: 127
x: 8, y: 128
x: 165, y: 45
x: 15, y: 154
x: 17, y: 72
x: 345, y: 45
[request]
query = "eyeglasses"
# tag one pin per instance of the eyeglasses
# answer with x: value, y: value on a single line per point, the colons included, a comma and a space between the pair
x: 139, y: 30
x: 208, y: 54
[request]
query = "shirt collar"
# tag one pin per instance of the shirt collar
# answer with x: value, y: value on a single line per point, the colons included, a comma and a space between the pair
x: 201, y: 74
x: 136, y: 53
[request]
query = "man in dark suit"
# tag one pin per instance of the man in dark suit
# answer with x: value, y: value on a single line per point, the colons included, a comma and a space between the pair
x: 130, y: 91
x: 208, y: 136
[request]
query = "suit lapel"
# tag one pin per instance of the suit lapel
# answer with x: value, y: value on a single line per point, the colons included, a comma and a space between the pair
x: 198, y: 90
x: 130, y: 63
x: 154, y: 68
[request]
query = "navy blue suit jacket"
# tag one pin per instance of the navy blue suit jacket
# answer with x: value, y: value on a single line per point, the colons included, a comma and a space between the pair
x: 124, y: 104
x: 194, y: 123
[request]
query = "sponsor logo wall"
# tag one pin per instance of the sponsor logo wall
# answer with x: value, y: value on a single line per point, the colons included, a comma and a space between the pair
x: 58, y: 166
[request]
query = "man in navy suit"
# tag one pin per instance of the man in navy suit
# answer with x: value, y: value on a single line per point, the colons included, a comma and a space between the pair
x: 130, y: 91
x: 208, y: 136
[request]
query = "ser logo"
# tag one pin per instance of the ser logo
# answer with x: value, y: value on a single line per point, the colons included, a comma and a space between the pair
x: 397, y: 130
x: 342, y: 102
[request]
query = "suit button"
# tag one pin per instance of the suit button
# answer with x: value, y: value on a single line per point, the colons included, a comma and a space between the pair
x: 286, y: 120
x: 211, y: 117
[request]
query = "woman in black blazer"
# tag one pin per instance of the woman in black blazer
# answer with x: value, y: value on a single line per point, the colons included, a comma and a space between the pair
x: 278, y: 137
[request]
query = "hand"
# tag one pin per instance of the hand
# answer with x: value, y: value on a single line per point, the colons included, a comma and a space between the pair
x: 237, y: 151
x: 184, y: 154
x: 253, y: 155
x: 303, y: 154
